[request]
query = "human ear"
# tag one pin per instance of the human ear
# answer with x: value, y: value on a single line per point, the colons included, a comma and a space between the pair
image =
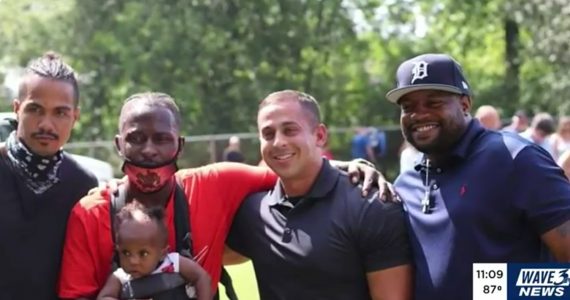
x: 321, y: 134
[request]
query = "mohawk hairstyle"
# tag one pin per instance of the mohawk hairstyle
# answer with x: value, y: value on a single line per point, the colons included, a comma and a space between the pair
x: 50, y: 66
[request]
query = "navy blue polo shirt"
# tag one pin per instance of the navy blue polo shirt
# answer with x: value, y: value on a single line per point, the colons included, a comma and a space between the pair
x: 490, y: 202
x: 322, y: 246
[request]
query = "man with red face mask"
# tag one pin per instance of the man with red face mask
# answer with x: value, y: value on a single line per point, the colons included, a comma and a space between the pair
x: 149, y: 142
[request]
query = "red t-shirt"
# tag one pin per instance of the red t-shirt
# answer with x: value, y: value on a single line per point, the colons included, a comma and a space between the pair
x: 214, y: 193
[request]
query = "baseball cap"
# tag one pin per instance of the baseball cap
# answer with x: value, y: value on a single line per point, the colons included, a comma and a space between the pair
x: 429, y: 72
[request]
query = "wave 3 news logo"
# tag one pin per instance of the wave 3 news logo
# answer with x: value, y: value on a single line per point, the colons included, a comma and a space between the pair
x: 539, y: 281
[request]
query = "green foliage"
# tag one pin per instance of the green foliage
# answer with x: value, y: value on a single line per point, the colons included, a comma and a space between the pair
x: 219, y: 58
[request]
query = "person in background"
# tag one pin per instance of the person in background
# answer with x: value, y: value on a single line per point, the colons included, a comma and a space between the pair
x: 560, y: 141
x: 541, y: 127
x: 519, y: 122
x: 489, y: 117
x: 233, y: 152
x: 39, y: 182
x: 564, y: 163
x: 361, y: 146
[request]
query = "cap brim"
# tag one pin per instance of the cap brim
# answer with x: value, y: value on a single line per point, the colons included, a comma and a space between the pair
x: 395, y: 94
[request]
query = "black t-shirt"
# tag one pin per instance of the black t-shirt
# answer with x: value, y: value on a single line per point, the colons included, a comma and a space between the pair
x: 32, y: 229
x: 323, y: 246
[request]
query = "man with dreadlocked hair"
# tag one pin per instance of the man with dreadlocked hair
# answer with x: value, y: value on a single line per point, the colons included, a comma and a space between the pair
x: 39, y: 182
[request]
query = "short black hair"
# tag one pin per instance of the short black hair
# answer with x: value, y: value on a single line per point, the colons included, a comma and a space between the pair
x: 543, y: 122
x: 307, y: 102
x: 152, y: 99
x: 129, y: 212
x: 51, y: 66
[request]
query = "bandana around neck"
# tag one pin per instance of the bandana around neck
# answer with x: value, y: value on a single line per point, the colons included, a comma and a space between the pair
x: 40, y: 172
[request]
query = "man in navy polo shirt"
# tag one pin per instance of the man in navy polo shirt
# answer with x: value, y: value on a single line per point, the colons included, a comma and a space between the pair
x: 475, y: 195
x: 314, y: 236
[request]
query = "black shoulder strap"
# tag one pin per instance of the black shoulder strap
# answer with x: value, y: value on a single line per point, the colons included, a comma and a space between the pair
x: 118, y: 200
x: 152, y: 285
x: 181, y: 227
x: 182, y: 223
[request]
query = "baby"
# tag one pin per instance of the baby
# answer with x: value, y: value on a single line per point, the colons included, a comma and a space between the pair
x: 142, y: 247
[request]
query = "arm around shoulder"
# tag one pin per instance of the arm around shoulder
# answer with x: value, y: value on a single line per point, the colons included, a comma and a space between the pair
x: 246, y: 179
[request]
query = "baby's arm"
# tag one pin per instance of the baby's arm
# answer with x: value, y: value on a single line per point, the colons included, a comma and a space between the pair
x: 193, y: 273
x: 112, y: 289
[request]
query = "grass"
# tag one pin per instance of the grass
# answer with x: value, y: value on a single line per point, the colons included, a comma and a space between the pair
x: 244, y: 282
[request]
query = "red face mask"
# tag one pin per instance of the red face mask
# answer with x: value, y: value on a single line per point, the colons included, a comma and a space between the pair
x: 149, y: 179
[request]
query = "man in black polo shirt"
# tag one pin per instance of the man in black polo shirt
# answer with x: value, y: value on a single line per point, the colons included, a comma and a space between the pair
x: 39, y: 183
x: 313, y: 236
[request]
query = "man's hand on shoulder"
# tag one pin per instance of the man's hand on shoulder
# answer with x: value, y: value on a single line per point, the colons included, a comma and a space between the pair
x: 111, y: 186
x: 94, y: 198
x: 364, y: 172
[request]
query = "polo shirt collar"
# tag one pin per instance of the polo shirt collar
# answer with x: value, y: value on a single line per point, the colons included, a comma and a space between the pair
x: 325, y: 182
x: 461, y: 149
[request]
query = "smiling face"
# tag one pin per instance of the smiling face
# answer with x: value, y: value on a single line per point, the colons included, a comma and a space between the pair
x: 46, y: 114
x: 290, y: 139
x: 432, y: 121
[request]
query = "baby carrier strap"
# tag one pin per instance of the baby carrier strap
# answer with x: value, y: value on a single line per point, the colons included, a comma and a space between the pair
x: 160, y: 286
x: 181, y: 227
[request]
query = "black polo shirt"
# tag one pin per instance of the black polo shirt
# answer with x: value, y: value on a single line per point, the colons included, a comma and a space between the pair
x: 323, y: 246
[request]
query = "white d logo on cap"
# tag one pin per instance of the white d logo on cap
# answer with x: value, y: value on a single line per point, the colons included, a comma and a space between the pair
x: 419, y: 71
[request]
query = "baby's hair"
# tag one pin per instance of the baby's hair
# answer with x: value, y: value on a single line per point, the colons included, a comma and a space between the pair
x: 135, y: 211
